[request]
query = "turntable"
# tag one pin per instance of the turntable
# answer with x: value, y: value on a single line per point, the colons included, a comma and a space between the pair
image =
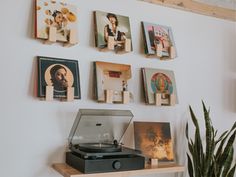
x: 94, y: 142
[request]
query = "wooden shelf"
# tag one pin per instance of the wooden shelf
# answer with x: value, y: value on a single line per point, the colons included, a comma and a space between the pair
x: 67, y: 171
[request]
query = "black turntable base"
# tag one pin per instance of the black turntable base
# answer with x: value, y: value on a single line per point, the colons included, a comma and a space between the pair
x: 126, y: 159
x: 119, y: 163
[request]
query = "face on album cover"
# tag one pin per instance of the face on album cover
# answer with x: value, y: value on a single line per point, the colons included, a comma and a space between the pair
x: 59, y: 73
x: 51, y: 13
x: 110, y: 24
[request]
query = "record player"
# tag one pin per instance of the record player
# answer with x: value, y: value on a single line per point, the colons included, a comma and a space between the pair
x: 94, y: 142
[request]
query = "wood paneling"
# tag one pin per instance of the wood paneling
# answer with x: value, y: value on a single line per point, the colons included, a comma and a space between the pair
x: 198, y: 7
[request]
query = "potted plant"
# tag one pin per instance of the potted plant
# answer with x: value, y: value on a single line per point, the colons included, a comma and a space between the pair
x: 215, y: 158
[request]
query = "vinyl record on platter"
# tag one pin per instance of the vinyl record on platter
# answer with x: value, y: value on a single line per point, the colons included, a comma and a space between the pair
x: 99, y: 147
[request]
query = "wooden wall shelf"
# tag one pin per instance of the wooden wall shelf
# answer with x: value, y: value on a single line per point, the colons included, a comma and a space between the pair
x: 67, y: 171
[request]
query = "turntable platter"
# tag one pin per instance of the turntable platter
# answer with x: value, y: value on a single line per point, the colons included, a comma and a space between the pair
x: 99, y: 147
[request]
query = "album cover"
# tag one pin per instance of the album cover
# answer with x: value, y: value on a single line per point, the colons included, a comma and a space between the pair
x: 158, y: 81
x: 154, y: 140
x: 110, y: 24
x: 157, y: 34
x: 51, y: 13
x: 111, y: 76
x: 59, y: 73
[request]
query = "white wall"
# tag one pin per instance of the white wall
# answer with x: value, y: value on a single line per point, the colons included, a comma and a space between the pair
x: 33, y: 133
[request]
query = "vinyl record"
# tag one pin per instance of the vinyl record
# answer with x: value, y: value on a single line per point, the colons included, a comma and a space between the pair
x: 99, y: 147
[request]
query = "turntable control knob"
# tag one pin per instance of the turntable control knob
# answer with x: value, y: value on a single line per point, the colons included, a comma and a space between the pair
x: 116, y: 165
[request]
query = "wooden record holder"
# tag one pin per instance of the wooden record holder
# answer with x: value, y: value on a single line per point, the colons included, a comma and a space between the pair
x: 172, y: 52
x: 111, y: 45
x: 49, y: 93
x: 158, y: 54
x: 109, y: 96
x: 127, y: 47
x: 73, y: 38
x: 159, y: 49
x: 70, y: 94
x: 125, y: 97
x: 153, y: 162
x: 52, y: 37
x: 165, y: 99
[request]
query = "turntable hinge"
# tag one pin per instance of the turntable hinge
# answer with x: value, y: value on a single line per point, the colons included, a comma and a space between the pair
x: 115, y: 142
x: 70, y: 145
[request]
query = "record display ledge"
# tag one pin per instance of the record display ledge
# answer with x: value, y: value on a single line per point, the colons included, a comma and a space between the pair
x: 67, y: 171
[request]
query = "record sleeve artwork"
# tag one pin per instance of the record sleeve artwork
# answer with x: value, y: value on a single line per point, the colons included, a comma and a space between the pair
x: 159, y: 41
x: 158, y: 81
x: 112, y: 32
x: 154, y: 140
x: 61, y: 16
x: 111, y: 80
x: 59, y: 73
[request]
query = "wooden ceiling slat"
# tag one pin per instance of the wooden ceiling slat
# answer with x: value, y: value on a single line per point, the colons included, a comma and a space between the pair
x: 198, y: 7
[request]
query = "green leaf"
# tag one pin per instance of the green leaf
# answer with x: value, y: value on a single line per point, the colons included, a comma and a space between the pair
x: 190, y: 147
x: 232, y: 171
x: 233, y: 127
x: 186, y: 131
x: 211, y: 171
x: 228, y: 146
x: 190, y: 166
x: 209, y: 140
x: 226, y: 151
x: 215, y: 167
x: 221, y: 158
x: 228, y: 162
x: 197, y: 148
x: 222, y: 142
x: 221, y: 137
x: 195, y: 122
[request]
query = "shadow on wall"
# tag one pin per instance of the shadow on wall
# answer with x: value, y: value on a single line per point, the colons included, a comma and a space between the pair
x: 32, y: 89
x: 229, y: 94
x: 91, y: 84
x: 141, y: 46
x: 57, y: 156
x: 229, y: 57
x: 141, y: 88
x: 31, y: 21
x: 92, y: 31
x: 180, y: 142
x: 229, y: 84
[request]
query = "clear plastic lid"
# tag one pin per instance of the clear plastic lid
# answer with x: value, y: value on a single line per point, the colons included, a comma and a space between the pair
x: 99, y: 126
